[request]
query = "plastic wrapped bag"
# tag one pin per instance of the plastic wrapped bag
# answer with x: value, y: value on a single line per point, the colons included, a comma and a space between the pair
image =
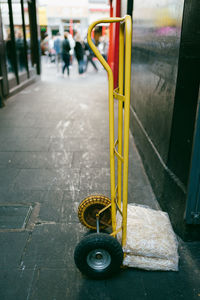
x: 151, y: 242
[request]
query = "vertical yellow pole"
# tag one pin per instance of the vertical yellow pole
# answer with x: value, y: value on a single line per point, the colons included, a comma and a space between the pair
x: 112, y: 156
x: 111, y: 110
x: 120, y: 111
x: 128, y: 31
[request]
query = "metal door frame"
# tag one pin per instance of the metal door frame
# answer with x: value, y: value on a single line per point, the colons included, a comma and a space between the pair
x: 193, y: 197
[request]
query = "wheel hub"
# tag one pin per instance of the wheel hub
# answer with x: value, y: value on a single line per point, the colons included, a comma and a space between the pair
x: 98, y: 259
x: 89, y: 208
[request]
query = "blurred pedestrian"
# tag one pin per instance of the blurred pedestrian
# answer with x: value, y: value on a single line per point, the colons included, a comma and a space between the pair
x: 103, y: 46
x: 45, y: 45
x: 65, y: 53
x: 79, y: 52
x: 10, y: 54
x: 72, y: 45
x: 57, y: 47
x: 20, y: 51
x: 52, y: 52
x: 90, y: 56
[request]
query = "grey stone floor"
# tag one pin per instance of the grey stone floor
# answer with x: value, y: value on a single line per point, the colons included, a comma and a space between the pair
x: 54, y: 151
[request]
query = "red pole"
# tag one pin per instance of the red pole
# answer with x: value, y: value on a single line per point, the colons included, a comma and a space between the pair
x: 71, y: 27
x: 110, y: 51
x: 116, y: 45
x: 103, y: 30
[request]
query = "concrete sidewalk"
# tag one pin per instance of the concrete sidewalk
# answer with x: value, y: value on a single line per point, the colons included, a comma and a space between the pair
x: 54, y: 151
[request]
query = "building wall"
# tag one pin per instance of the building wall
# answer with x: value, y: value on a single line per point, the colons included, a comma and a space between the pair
x: 58, y: 14
x: 164, y: 92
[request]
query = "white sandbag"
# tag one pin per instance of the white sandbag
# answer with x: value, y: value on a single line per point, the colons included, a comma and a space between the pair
x: 151, y: 242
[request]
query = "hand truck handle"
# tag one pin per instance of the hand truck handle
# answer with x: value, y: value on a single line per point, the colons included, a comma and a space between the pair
x: 94, y: 48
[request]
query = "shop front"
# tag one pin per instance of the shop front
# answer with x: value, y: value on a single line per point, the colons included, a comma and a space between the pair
x: 19, y: 45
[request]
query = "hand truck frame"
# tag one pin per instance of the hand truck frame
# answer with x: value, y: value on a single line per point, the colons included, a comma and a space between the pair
x: 99, y: 255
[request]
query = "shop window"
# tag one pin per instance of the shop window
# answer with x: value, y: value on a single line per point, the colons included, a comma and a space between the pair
x: 19, y: 37
x: 10, y: 55
x: 18, y: 45
x: 28, y: 34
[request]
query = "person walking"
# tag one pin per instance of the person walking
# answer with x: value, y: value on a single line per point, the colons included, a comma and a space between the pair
x: 44, y: 45
x: 57, y: 47
x: 79, y: 52
x: 72, y: 45
x: 89, y: 55
x: 65, y: 53
x: 20, y: 52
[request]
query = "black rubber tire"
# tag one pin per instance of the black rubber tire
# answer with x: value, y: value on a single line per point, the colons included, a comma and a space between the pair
x: 98, y: 243
x: 90, y: 206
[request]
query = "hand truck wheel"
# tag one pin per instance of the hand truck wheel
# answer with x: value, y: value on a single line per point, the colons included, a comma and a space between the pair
x: 98, y: 256
x: 88, y: 209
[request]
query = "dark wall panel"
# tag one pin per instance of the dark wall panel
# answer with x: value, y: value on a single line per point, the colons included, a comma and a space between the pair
x: 155, y: 50
x: 164, y: 93
x: 186, y: 92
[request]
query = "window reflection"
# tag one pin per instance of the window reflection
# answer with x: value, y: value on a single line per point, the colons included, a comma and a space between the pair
x: 19, y: 38
x: 28, y: 34
x: 7, y: 39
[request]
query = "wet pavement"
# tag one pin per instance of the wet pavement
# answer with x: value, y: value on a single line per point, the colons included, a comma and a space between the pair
x: 54, y: 152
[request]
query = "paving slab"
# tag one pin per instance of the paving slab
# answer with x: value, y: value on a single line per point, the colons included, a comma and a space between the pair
x: 19, y: 132
x: 21, y: 197
x: 5, y: 158
x: 56, y: 240
x: 92, y: 159
x: 95, y: 178
x: 59, y: 285
x: 79, y: 144
x: 16, y: 284
x: 24, y: 144
x: 12, y: 247
x: 7, y: 176
x: 47, y: 179
x: 40, y: 160
x: 51, y: 206
x: 14, y: 216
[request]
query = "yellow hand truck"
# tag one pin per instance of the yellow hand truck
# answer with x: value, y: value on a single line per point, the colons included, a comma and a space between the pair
x: 99, y: 255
